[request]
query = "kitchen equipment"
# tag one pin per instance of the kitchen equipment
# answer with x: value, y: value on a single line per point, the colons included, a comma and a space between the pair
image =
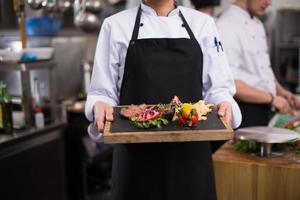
x: 64, y: 5
x: 35, y: 4
x: 93, y: 6
x: 9, y: 56
x: 26, y: 70
x: 42, y: 26
x: 114, y: 2
x: 41, y: 53
x: 49, y: 5
x: 88, y: 22
x: 267, y: 136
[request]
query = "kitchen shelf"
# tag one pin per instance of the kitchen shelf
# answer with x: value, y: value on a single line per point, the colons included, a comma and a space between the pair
x: 13, y: 65
x: 24, y: 68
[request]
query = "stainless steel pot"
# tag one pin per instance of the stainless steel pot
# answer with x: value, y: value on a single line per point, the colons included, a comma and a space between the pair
x: 87, y: 21
x: 49, y: 5
x: 64, y: 5
x: 35, y: 4
x: 93, y: 6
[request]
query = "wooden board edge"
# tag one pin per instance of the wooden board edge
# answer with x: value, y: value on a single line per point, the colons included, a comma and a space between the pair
x: 167, y: 137
x: 107, y: 128
x: 227, y: 126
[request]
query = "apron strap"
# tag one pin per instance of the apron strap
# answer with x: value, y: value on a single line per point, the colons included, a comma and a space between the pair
x: 138, y: 20
x: 186, y: 26
x: 137, y: 24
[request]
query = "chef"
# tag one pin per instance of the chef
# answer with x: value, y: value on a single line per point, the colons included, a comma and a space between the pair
x: 244, y: 39
x: 148, y: 54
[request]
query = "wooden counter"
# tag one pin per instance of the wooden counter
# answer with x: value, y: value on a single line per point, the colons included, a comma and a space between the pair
x: 241, y: 176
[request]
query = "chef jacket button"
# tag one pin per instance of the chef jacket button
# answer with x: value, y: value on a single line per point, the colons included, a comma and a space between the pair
x: 246, y: 22
x: 253, y: 36
x: 132, y: 43
x: 257, y: 52
x: 141, y: 24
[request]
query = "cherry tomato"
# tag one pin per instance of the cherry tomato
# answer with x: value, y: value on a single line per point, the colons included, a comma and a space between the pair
x: 181, y: 120
x: 194, y: 119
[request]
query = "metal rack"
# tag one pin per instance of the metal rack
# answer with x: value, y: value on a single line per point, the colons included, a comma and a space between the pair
x: 24, y: 68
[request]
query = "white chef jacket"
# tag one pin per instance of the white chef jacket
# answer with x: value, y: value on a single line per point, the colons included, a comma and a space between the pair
x: 244, y: 41
x: 115, y: 34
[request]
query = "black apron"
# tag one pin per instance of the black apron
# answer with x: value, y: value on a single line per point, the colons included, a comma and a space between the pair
x: 254, y: 114
x: 156, y: 70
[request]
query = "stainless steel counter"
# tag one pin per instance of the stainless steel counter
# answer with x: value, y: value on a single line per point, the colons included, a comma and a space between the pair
x: 26, y: 139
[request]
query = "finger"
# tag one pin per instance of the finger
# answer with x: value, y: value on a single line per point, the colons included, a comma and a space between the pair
x: 228, y: 116
x: 294, y: 102
x: 100, y: 120
x: 222, y: 110
x: 109, y: 114
x: 290, y: 100
x: 291, y: 111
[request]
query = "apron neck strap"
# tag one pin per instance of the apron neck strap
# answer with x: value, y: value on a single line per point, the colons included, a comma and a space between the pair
x: 138, y: 20
x: 186, y: 26
x: 137, y: 24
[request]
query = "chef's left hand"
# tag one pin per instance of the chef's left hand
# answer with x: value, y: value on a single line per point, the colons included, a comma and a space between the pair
x: 292, y: 99
x: 224, y: 110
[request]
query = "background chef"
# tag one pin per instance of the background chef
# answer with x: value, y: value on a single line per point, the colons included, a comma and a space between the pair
x: 148, y: 54
x: 244, y: 39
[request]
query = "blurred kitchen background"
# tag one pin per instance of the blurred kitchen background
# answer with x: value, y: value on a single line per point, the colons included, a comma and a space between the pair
x: 49, y: 155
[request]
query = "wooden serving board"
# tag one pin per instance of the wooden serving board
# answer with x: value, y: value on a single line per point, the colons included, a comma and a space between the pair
x: 121, y: 130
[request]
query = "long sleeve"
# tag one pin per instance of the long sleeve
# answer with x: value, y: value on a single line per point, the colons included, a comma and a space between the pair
x: 218, y: 83
x: 105, y: 75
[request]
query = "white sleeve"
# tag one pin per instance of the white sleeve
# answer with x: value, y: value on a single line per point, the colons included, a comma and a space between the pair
x: 104, y: 79
x: 218, y: 83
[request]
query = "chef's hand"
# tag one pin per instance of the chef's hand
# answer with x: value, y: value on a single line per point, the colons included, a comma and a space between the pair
x: 224, y: 110
x: 102, y: 112
x: 282, y: 105
x: 292, y: 99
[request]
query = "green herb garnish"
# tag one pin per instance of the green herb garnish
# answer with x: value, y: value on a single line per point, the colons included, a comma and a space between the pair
x: 247, y: 146
x: 149, y: 124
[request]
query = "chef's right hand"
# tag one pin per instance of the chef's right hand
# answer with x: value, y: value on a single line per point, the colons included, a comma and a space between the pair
x: 282, y: 105
x: 102, y: 112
